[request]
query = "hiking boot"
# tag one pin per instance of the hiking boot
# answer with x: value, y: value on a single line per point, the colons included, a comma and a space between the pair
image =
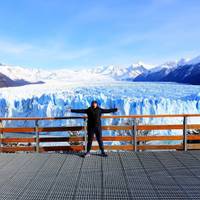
x: 87, y: 154
x: 104, y: 154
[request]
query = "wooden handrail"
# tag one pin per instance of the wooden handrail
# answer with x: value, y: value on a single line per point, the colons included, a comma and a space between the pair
x: 104, y: 116
x: 75, y: 143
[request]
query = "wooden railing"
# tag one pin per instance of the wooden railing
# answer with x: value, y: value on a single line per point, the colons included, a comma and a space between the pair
x: 133, y: 142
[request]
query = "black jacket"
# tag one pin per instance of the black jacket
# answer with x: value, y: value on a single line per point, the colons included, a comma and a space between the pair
x: 94, y: 114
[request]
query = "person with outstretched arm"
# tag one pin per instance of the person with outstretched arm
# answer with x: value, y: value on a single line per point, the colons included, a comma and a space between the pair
x: 94, y: 113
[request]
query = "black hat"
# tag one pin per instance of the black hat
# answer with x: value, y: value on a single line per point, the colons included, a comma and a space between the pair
x: 94, y: 102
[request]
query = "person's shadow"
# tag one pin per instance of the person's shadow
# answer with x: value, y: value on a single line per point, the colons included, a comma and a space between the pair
x: 80, y: 154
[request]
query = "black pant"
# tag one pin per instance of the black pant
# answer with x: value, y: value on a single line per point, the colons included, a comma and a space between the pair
x: 97, y: 131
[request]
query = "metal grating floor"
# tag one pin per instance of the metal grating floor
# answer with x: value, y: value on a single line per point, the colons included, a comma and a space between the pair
x: 124, y: 175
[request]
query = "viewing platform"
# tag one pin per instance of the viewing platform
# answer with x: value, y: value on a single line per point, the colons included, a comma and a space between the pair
x: 124, y: 175
x: 29, y: 170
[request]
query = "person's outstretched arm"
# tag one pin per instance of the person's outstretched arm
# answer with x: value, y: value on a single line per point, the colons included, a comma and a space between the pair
x: 78, y: 110
x: 109, y: 110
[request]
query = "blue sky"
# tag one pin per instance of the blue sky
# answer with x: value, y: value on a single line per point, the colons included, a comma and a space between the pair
x: 86, y: 33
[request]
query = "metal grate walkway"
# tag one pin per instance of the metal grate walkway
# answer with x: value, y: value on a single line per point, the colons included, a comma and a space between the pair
x: 127, y: 175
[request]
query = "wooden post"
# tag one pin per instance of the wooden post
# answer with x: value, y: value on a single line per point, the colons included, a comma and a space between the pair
x: 85, y: 135
x: 37, y: 136
x: 185, y: 133
x: 1, y: 133
x: 134, y: 134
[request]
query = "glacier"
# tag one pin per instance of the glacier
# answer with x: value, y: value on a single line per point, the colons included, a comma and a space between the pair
x: 54, y: 100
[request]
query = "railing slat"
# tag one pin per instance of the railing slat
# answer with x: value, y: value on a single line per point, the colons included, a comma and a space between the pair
x: 159, y: 137
x: 17, y: 140
x: 62, y: 148
x: 105, y: 138
x: 17, y: 148
x: 159, y: 147
x: 160, y: 127
x: 193, y: 137
x: 18, y: 130
x: 116, y: 147
x: 193, y: 146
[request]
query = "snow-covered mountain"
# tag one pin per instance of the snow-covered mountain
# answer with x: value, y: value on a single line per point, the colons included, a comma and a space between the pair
x: 189, y: 72
x: 193, y: 61
x: 185, y: 74
x: 122, y: 73
x: 5, y: 81
x: 23, y: 73
x: 183, y: 71
x: 97, y: 74
x: 157, y: 73
x: 9, y: 77
x: 48, y: 76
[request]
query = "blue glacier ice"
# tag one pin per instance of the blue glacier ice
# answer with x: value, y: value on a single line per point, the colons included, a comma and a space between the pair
x: 130, y: 98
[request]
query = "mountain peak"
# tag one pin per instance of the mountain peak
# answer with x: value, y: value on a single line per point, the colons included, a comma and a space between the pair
x: 194, y: 61
x: 141, y: 64
x: 182, y: 61
x: 167, y: 65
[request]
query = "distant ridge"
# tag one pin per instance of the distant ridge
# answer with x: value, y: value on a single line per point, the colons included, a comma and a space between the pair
x: 185, y: 74
x: 7, y: 82
x: 183, y: 71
